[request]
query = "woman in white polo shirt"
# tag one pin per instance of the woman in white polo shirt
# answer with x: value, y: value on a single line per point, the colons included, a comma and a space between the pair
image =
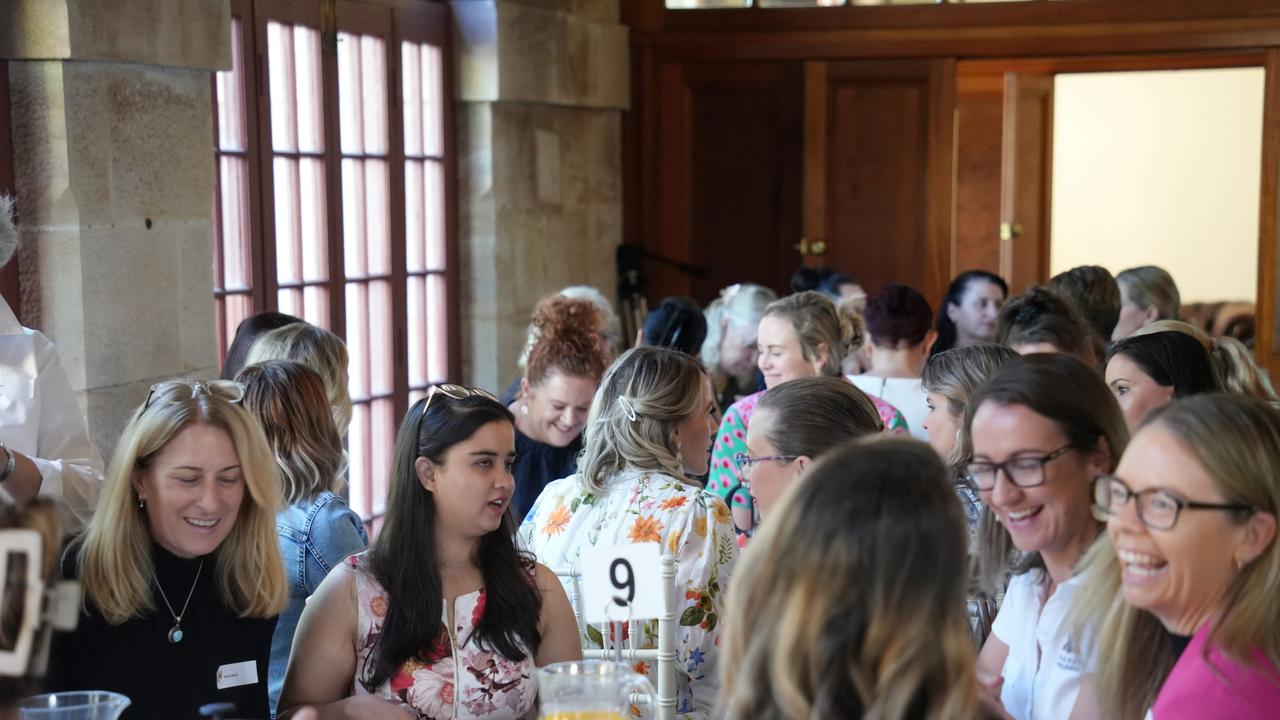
x: 1043, y: 427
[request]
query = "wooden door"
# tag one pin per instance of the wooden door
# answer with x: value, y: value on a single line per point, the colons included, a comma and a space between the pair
x: 1026, y: 172
x: 878, y: 159
x: 979, y: 137
x: 727, y: 177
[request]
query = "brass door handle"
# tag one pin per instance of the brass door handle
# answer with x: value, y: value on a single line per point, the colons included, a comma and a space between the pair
x: 811, y: 247
x: 1009, y: 231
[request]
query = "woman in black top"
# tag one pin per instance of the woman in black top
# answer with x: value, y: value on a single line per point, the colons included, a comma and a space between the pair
x: 181, y: 573
x: 561, y: 376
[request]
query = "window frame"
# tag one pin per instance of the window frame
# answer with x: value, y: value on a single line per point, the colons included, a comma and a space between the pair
x: 427, y: 23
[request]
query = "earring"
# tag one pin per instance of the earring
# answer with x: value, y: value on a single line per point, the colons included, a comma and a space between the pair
x: 142, y: 503
x: 1239, y: 564
x: 524, y: 409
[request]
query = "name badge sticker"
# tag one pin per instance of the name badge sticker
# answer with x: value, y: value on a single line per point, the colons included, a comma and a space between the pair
x: 237, y: 674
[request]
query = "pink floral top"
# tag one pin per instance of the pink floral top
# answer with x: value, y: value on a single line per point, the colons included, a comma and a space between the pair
x: 725, y: 479
x: 458, y: 679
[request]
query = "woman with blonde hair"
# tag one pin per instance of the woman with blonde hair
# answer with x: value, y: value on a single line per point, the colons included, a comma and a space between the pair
x: 181, y: 572
x: 1180, y: 606
x: 949, y: 379
x: 1147, y: 294
x: 316, y: 528
x: 319, y: 350
x: 648, y: 434
x: 1234, y: 365
x: 729, y: 350
x: 801, y: 335
x: 821, y: 626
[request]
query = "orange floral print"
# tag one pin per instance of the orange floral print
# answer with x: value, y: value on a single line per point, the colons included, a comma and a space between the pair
x: 673, y: 503
x: 646, y: 529
x: 558, y: 521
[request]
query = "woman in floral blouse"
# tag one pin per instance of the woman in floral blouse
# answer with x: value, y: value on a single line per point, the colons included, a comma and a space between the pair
x: 650, y: 430
x: 442, y: 617
x: 801, y: 335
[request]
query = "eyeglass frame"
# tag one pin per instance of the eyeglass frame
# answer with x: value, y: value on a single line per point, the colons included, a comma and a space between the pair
x: 1178, y: 503
x: 997, y: 467
x: 208, y: 386
x: 744, y: 461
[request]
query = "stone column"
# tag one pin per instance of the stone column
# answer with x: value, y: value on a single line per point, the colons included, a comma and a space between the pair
x: 541, y: 86
x: 113, y: 144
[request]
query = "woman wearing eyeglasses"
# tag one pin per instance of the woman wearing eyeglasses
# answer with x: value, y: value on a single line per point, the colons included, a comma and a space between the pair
x: 181, y: 572
x: 1043, y: 427
x: 648, y: 435
x: 441, y: 617
x: 316, y: 528
x: 1183, y: 598
x: 796, y: 423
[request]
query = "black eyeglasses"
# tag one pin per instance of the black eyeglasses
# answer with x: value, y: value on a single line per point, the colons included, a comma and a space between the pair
x: 175, y: 390
x: 1023, y: 471
x: 1157, y: 509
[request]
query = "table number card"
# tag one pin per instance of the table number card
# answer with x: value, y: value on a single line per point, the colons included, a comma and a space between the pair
x: 622, y: 582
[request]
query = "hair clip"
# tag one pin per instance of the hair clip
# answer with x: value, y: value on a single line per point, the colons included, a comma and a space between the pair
x: 628, y: 407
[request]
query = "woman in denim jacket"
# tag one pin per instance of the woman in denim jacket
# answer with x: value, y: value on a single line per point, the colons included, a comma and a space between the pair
x: 316, y: 529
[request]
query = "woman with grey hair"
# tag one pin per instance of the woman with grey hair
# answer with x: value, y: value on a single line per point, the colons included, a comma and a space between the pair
x: 44, y: 446
x: 729, y: 351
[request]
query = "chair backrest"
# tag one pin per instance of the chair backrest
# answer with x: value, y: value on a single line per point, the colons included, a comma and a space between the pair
x: 603, y: 643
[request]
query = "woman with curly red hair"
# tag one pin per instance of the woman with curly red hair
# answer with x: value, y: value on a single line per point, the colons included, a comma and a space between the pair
x: 563, y: 370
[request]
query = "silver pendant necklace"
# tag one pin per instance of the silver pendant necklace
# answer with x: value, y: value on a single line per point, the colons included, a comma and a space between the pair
x: 175, y: 633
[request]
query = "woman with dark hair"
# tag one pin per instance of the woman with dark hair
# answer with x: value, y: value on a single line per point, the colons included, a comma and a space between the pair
x: 1041, y: 320
x: 849, y: 605
x: 677, y: 323
x: 247, y: 333
x: 900, y: 323
x: 1145, y: 372
x: 1043, y: 427
x: 442, y: 616
x: 969, y: 309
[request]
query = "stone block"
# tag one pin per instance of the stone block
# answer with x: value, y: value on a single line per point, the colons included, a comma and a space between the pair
x: 134, y: 326
x: 168, y: 33
x: 41, y: 164
x: 32, y: 29
x: 593, y: 9
x: 531, y: 52
x: 140, y: 142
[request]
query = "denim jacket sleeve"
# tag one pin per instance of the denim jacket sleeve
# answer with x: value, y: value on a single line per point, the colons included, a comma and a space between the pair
x: 335, y: 533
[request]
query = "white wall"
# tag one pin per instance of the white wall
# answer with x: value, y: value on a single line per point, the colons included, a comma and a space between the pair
x: 1160, y: 168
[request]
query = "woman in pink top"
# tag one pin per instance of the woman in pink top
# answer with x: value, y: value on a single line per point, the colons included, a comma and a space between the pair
x: 1184, y: 594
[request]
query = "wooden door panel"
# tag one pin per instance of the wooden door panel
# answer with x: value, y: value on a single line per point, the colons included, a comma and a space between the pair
x: 729, y: 177
x: 979, y: 121
x: 1026, y: 175
x: 877, y: 144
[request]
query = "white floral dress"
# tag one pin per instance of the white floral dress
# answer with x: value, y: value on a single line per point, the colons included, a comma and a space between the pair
x: 458, y: 678
x: 690, y: 523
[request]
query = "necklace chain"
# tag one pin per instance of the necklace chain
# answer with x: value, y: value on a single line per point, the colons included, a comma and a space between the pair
x: 177, y: 617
